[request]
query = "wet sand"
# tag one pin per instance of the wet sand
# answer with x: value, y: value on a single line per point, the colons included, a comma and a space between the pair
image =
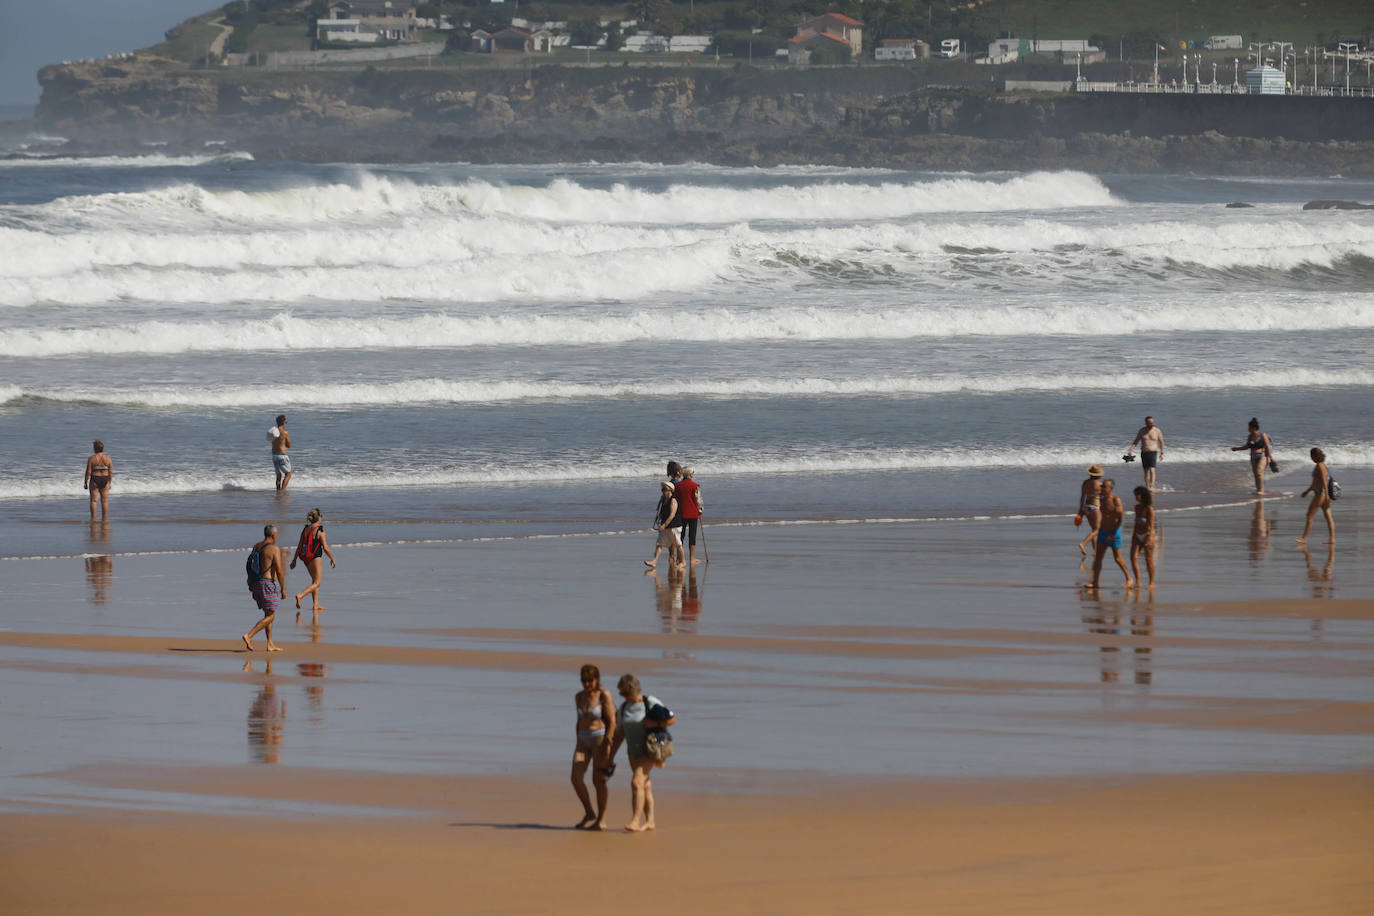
x: 867, y: 724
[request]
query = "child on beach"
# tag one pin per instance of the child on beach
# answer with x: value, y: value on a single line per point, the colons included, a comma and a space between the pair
x: 1143, y: 536
x: 665, y: 524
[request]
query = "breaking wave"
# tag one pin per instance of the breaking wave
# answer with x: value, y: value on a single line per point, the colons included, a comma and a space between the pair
x: 443, y: 391
x: 572, y: 328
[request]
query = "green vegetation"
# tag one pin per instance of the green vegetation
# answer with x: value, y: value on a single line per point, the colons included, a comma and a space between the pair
x: 188, y: 41
x: 266, y: 38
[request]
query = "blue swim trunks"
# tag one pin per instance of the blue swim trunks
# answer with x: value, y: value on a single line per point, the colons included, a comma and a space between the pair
x: 1110, y: 538
x: 282, y: 463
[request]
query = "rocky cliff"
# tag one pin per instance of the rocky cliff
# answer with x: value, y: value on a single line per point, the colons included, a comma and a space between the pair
x: 857, y: 116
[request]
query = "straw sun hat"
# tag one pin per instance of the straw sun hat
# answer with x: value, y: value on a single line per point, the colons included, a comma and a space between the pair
x: 1094, y: 470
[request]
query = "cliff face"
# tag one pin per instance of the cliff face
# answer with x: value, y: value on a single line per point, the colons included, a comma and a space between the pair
x: 859, y: 116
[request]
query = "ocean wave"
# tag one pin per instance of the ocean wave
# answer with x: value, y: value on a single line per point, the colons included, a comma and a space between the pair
x: 445, y: 391
x: 563, y: 200
x: 631, y: 468
x: 151, y: 161
x: 503, y: 257
x: 286, y: 332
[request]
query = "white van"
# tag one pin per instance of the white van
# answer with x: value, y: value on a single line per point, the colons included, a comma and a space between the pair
x: 949, y: 47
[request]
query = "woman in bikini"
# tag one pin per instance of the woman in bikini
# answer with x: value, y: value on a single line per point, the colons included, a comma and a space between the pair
x: 595, y: 728
x: 99, y: 473
x: 1321, y: 497
x: 1090, y: 505
x: 313, y: 547
x: 1261, y: 453
x: 1143, y: 535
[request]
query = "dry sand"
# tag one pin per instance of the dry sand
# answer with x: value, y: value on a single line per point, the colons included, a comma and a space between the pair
x: 1286, y: 844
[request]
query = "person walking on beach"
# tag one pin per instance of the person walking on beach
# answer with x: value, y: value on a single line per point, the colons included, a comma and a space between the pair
x: 595, y: 730
x: 281, y: 462
x: 1090, y: 505
x: 312, y: 548
x: 1320, y: 489
x: 665, y: 527
x: 634, y: 720
x: 266, y: 583
x: 689, y: 506
x: 1113, y: 514
x: 1150, y: 438
x: 1261, y: 454
x: 1143, y: 535
x: 99, y: 474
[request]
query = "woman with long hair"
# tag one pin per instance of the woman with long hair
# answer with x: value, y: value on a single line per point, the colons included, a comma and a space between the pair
x: 595, y: 726
x: 313, y: 547
x: 1321, y: 497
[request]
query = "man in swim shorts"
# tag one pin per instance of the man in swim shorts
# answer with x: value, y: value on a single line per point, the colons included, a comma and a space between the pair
x: 1150, y: 438
x: 99, y: 473
x: 281, y: 462
x: 267, y: 584
x: 1109, y: 536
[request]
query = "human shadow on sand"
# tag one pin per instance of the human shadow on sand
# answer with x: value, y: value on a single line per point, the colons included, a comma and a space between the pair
x: 512, y: 826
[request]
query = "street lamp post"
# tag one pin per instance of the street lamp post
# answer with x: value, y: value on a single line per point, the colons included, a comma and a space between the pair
x: 1347, y: 47
x: 1235, y: 74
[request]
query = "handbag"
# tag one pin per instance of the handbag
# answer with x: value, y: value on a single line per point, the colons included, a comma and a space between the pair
x: 659, y: 743
x: 1333, y: 489
x: 1273, y: 465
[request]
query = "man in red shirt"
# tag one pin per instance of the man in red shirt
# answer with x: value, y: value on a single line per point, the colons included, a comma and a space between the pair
x: 688, y: 496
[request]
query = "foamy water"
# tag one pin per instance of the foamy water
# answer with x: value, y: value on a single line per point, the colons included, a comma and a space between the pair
x: 919, y: 345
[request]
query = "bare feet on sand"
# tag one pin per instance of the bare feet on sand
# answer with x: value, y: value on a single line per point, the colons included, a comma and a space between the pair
x: 634, y: 828
x: 273, y: 647
x: 587, y: 822
x: 246, y: 643
x: 649, y: 563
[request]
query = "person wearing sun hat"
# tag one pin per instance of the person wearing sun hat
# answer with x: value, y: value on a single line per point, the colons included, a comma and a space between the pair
x: 1090, y: 505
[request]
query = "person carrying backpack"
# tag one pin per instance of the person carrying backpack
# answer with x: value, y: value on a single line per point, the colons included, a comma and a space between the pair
x: 312, y: 548
x: 266, y: 583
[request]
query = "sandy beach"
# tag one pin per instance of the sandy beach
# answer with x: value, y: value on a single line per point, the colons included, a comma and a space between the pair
x: 868, y: 723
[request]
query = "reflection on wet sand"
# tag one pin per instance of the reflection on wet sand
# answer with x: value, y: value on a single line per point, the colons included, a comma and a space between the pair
x: 99, y: 567
x: 1260, y: 529
x: 314, y: 693
x: 266, y: 721
x: 1104, y: 618
x: 679, y: 602
x: 100, y: 576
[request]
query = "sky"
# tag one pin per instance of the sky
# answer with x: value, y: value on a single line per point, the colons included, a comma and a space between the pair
x: 33, y: 34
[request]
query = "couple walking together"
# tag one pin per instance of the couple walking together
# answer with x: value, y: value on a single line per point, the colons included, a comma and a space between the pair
x: 639, y: 724
x: 678, y: 518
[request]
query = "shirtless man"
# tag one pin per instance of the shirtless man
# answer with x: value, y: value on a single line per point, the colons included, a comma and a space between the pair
x: 267, y: 584
x: 1113, y: 514
x: 1150, y: 438
x: 99, y: 473
x: 281, y: 462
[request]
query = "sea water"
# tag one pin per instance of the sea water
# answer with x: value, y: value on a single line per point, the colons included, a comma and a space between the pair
x: 473, y: 351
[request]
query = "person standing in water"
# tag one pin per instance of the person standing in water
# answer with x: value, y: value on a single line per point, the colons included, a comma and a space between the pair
x: 1320, y: 489
x: 1150, y: 438
x: 1261, y: 453
x: 689, y: 506
x: 99, y: 474
x: 281, y: 462
x: 1113, y: 514
x: 266, y: 583
x: 312, y: 548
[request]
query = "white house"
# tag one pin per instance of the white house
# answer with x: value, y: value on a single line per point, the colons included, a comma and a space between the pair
x: 895, y: 49
x: 645, y: 43
x: 689, y: 44
x: 344, y: 30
